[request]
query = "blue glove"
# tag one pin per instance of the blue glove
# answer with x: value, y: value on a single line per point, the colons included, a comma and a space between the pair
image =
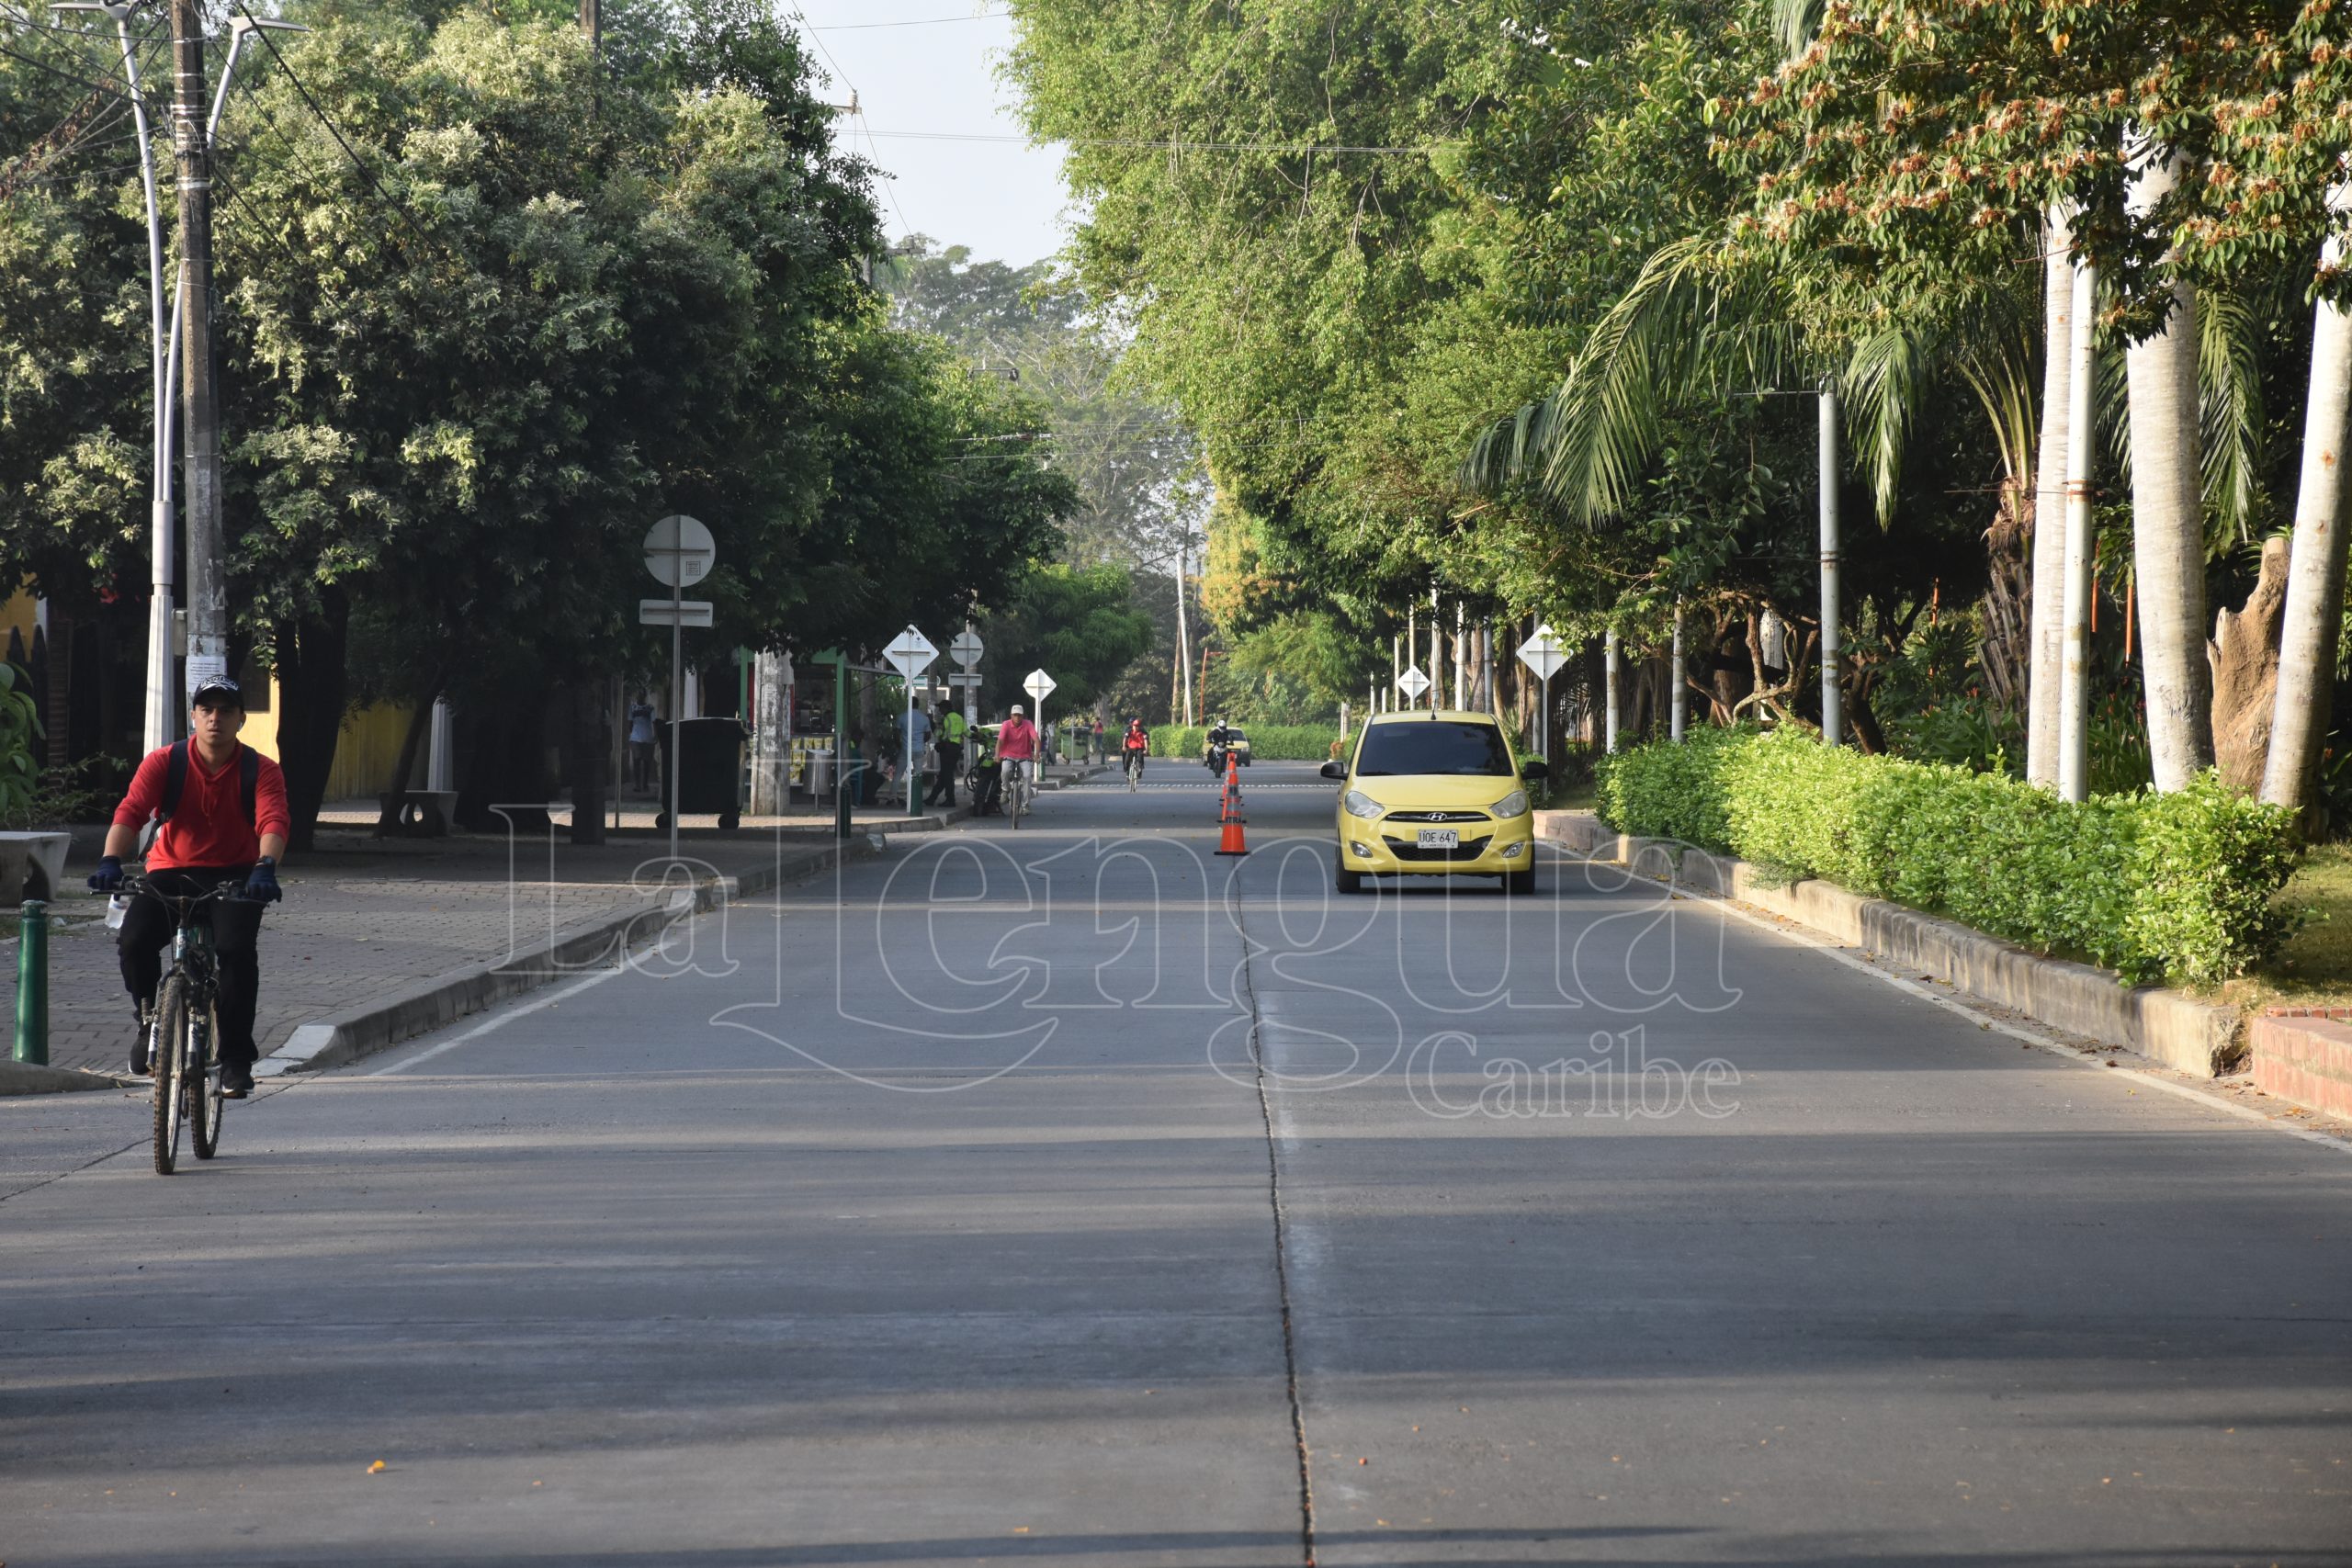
x: 261, y: 886
x: 107, y: 878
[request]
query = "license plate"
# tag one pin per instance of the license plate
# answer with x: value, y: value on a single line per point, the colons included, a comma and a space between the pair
x: 1441, y: 838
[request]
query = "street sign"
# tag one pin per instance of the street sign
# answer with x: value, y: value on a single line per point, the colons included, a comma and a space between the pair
x: 1412, y: 683
x: 966, y: 649
x: 1541, y: 653
x: 963, y: 678
x: 673, y: 611
x: 910, y: 653
x: 679, y: 552
x: 1039, y: 685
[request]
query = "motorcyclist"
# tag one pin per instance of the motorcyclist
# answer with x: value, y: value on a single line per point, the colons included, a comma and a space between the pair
x: 1219, y: 738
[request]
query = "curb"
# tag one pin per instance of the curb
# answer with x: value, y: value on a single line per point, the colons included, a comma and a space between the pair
x: 422, y: 1006
x: 2187, y: 1035
x: 23, y: 1077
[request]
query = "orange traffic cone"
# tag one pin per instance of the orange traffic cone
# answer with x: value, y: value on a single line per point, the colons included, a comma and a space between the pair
x: 1230, y: 841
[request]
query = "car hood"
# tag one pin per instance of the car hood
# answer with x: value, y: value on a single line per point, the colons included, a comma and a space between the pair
x: 1436, y: 792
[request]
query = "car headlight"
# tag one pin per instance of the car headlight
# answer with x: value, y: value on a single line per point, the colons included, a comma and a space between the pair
x: 1359, y: 804
x: 1512, y: 805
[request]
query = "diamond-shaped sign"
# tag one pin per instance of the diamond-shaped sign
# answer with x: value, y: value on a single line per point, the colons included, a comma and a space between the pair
x: 1412, y: 683
x: 1541, y: 653
x: 910, y: 653
x: 1039, y: 685
x: 965, y: 648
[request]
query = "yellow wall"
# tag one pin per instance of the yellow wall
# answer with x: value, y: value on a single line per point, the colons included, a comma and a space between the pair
x: 365, y: 753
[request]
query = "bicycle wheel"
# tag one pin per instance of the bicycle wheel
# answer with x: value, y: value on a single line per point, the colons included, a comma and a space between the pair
x: 204, y: 1084
x: 171, y: 1027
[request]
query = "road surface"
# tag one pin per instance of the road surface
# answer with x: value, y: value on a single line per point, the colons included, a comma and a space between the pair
x: 1077, y: 1196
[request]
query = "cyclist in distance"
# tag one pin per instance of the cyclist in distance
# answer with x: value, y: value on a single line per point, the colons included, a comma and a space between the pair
x: 221, y: 807
x: 1135, y: 745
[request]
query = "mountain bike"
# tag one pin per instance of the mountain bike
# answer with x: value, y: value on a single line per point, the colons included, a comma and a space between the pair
x: 1135, y: 771
x: 1020, y: 790
x: 185, y: 1022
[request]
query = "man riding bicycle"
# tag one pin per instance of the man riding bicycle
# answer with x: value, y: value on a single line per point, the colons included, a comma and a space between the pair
x: 222, y: 810
x: 1016, y: 749
x: 1135, y: 745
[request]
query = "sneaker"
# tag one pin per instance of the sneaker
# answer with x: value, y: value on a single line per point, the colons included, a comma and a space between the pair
x: 236, y: 1082
x: 139, y: 1046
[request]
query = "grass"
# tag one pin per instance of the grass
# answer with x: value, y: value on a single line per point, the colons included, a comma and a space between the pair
x: 2315, y: 967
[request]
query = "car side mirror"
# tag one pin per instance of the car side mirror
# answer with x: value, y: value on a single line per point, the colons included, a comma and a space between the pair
x: 1334, y: 769
x: 1533, y: 769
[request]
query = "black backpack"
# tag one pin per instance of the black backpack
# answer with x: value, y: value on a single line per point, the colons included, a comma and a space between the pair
x: 175, y: 781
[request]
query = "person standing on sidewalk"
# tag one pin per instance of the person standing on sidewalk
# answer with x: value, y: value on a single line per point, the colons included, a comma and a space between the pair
x: 640, y: 745
x: 951, y: 758
x: 222, y: 809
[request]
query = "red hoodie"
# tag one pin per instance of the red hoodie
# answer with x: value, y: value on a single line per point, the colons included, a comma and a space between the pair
x: 207, y: 828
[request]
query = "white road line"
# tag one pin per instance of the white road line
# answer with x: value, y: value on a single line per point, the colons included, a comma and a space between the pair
x: 2049, y: 1044
x: 500, y: 1021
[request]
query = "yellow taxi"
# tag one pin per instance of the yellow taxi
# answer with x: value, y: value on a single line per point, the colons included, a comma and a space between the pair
x: 1435, y: 794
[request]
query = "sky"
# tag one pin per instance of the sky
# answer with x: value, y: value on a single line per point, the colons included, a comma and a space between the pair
x: 924, y: 75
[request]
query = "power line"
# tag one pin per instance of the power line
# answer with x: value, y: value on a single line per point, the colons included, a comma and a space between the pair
x: 396, y: 209
x: 1172, y: 146
x: 914, y: 22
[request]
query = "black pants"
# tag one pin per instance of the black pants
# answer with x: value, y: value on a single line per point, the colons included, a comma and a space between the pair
x: 951, y: 762
x: 236, y: 925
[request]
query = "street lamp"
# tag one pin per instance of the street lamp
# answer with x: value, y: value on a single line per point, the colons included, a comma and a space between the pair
x: 161, y: 722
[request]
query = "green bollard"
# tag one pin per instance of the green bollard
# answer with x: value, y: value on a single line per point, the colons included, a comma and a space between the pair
x: 32, y: 985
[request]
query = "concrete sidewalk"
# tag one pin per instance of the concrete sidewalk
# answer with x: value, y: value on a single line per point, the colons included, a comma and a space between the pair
x: 425, y: 922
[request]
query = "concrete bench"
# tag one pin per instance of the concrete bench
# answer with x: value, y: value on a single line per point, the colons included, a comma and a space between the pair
x: 32, y: 865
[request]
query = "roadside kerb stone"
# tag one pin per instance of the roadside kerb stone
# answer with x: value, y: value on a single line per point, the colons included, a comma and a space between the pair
x: 23, y: 1077
x: 2180, y: 1031
x: 419, y: 1007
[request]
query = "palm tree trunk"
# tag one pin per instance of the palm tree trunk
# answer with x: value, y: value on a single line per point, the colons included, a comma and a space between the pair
x: 2168, y: 517
x: 2315, y: 611
x: 2047, y: 598
x: 2081, y: 425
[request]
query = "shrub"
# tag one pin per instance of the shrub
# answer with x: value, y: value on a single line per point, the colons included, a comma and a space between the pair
x: 2176, y: 885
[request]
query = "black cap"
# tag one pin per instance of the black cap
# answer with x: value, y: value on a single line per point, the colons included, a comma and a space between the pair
x: 217, y: 690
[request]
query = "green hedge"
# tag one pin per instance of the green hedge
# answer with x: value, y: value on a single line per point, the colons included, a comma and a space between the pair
x: 2156, y: 887
x: 1267, y: 742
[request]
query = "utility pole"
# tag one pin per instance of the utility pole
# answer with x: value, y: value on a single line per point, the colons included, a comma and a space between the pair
x: 207, y: 585
x: 1832, y: 705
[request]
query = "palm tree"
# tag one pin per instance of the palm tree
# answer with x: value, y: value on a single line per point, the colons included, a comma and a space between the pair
x: 2315, y: 611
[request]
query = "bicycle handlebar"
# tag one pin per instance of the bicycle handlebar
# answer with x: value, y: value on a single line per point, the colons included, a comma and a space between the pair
x: 136, y: 883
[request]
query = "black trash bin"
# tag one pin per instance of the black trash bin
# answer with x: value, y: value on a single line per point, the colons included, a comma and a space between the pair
x: 712, y: 778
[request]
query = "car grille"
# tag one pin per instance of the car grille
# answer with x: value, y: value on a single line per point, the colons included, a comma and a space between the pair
x: 1436, y: 817
x: 1469, y: 849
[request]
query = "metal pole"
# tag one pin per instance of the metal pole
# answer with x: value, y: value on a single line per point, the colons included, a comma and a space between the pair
x: 1677, y: 707
x: 907, y: 736
x: 32, y: 985
x: 841, y: 745
x: 2074, y: 680
x: 207, y: 596
x: 1832, y: 713
x: 161, y: 727
x: 677, y: 686
x: 1609, y: 733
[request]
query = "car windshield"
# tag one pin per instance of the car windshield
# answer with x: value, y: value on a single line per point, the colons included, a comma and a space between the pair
x: 1435, y: 746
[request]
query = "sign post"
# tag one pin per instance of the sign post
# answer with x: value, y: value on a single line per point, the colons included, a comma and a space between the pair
x: 678, y: 552
x: 910, y: 654
x: 1039, y: 685
x: 966, y: 649
x: 1541, y: 653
